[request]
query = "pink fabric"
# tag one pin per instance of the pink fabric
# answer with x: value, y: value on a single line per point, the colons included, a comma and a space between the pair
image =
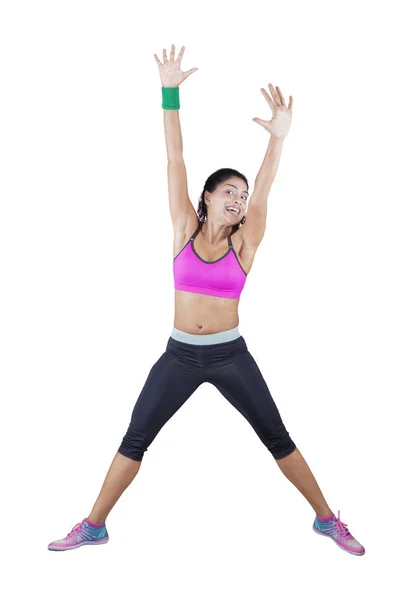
x: 95, y: 525
x: 224, y: 278
x: 342, y: 527
x: 326, y: 519
x: 340, y: 534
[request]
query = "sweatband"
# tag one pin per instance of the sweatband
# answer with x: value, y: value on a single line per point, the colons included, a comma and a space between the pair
x: 170, y: 98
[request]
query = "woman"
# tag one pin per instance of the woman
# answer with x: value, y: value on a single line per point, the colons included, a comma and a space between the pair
x: 214, y: 250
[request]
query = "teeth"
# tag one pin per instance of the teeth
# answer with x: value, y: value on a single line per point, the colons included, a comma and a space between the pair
x: 232, y: 208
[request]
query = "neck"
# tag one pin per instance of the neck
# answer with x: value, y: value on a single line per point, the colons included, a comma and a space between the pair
x: 215, y: 232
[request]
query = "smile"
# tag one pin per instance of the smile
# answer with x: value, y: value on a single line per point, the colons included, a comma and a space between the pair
x: 232, y: 210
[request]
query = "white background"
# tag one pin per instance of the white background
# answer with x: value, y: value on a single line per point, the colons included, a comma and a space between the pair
x: 87, y: 296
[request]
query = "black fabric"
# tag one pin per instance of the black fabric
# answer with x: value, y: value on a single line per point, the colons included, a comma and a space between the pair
x: 181, y: 369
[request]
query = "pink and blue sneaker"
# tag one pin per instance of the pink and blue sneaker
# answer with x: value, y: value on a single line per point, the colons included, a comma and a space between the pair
x: 82, y: 534
x: 337, y: 530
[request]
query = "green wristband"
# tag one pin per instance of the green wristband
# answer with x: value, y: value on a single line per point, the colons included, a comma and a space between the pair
x: 170, y: 98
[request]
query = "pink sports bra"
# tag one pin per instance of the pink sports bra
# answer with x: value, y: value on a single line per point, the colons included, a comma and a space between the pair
x: 224, y: 277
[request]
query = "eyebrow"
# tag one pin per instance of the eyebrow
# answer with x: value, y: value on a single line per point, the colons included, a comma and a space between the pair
x: 235, y: 186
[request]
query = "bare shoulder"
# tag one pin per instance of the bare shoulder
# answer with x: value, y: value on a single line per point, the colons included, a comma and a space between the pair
x: 182, y: 234
x: 245, y: 251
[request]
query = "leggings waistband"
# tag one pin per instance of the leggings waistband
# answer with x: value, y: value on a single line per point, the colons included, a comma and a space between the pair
x: 207, y: 338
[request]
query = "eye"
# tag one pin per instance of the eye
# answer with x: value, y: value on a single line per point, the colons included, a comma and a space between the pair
x: 245, y: 198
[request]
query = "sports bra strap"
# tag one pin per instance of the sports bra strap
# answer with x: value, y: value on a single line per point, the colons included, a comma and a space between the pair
x: 196, y: 232
x: 230, y: 245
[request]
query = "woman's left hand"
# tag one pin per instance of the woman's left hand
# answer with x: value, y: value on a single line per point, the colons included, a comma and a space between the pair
x: 279, y: 125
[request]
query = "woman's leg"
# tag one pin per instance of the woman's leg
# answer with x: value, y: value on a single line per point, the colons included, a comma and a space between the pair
x: 120, y: 474
x: 295, y: 468
x: 171, y: 381
x: 239, y: 379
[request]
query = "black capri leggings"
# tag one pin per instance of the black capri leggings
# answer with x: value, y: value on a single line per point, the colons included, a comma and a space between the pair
x: 178, y: 373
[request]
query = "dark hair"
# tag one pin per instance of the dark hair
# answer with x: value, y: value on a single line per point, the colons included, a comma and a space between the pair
x: 211, y: 184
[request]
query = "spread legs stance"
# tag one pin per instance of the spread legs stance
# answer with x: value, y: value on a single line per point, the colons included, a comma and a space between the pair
x: 123, y: 470
x: 230, y: 367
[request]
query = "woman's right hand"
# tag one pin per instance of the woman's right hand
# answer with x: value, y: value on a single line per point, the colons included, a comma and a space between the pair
x: 170, y: 71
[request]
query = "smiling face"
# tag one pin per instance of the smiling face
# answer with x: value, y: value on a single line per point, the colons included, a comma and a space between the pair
x: 231, y: 193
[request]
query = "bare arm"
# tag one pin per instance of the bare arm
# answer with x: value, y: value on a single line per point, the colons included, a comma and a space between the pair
x: 173, y: 135
x: 278, y: 127
x: 256, y: 219
x: 179, y: 202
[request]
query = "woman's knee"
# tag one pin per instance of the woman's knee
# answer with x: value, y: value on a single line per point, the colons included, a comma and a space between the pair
x: 133, y: 445
x: 278, y: 441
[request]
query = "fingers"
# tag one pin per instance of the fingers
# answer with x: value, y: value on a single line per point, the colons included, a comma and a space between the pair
x: 283, y: 100
x: 187, y: 73
x: 172, y: 57
x: 267, y: 97
x: 264, y: 124
x: 281, y: 96
x: 274, y: 93
x: 277, y: 97
x: 181, y: 54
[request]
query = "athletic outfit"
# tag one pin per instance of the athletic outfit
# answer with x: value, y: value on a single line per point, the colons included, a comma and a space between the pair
x: 192, y: 359
x: 218, y: 358
x: 223, y: 277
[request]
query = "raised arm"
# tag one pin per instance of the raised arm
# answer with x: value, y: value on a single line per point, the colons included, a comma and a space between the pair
x: 254, y: 227
x: 180, y: 205
x: 171, y: 77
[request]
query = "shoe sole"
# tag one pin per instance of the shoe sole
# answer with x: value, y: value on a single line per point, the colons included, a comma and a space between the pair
x: 333, y: 539
x: 88, y: 543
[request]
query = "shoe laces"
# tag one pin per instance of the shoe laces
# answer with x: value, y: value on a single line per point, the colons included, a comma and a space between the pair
x: 341, y: 527
x: 76, y: 528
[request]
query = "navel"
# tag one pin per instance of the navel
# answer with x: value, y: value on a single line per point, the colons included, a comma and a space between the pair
x: 200, y: 326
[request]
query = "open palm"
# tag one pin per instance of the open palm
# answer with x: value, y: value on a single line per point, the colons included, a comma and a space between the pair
x: 281, y: 120
x: 170, y: 71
